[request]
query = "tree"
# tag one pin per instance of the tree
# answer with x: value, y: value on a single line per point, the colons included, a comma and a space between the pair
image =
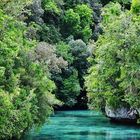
x: 78, y: 21
x: 114, y: 76
x: 15, y: 7
x: 135, y: 6
x: 25, y: 88
x: 36, y: 12
x: 118, y: 1
x: 64, y: 50
x: 80, y: 54
x: 51, y: 6
x: 45, y: 54
x: 70, y: 90
x: 70, y: 83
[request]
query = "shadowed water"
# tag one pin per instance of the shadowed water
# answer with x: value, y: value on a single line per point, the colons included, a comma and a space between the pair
x: 83, y: 125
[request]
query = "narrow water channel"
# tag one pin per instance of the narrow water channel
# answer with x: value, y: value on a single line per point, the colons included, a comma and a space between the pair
x: 83, y: 125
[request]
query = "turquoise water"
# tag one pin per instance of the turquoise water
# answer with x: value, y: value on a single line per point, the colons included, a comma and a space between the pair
x: 83, y: 125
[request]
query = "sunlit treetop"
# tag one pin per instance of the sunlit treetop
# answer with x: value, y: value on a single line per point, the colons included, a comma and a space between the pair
x: 135, y: 8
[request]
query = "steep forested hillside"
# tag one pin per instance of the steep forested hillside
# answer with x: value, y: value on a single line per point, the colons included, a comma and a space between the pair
x: 113, y: 80
x: 52, y: 52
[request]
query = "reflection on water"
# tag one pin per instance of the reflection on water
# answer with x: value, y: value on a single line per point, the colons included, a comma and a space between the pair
x: 83, y: 125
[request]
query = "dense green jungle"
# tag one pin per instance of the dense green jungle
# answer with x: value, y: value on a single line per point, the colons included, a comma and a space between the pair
x: 69, y: 69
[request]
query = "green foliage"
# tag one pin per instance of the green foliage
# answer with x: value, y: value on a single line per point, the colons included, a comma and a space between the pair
x: 123, y: 2
x: 80, y: 54
x: 135, y: 6
x: 35, y: 52
x: 110, y: 12
x: 133, y: 100
x: 14, y: 7
x: 72, y: 20
x: 114, y: 77
x: 36, y: 11
x: 78, y: 21
x: 51, y: 6
x: 70, y: 82
x: 25, y: 87
x: 85, y: 13
x: 72, y: 3
x: 46, y: 55
x: 70, y: 90
x: 63, y: 49
x: 49, y: 33
x: 45, y: 32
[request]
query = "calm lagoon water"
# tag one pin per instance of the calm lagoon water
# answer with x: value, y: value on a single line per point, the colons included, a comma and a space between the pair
x: 83, y: 125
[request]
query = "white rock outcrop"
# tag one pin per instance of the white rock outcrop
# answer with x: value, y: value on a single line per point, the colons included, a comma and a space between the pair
x: 122, y: 114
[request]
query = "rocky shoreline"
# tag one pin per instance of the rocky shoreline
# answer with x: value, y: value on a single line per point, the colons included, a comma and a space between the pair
x: 123, y: 115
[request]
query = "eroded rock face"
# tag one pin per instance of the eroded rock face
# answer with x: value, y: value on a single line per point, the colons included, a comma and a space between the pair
x: 122, y: 114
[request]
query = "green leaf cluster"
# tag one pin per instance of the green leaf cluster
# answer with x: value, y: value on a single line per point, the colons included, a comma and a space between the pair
x: 135, y: 7
x: 51, y: 6
x: 77, y: 22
